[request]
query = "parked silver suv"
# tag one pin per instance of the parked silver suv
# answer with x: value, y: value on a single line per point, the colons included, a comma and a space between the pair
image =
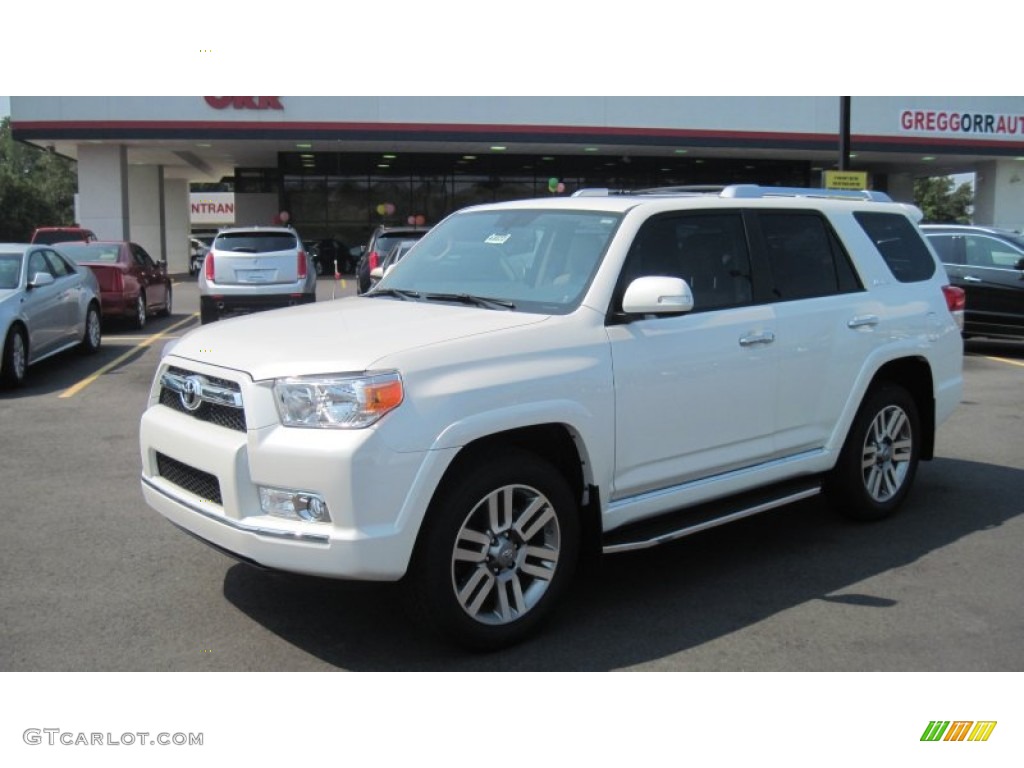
x: 253, y: 268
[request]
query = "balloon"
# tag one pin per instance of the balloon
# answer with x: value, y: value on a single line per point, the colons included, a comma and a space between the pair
x: 389, y: 208
x: 552, y: 182
x: 411, y: 221
x: 381, y: 210
x: 560, y: 188
x: 283, y: 216
x: 421, y: 220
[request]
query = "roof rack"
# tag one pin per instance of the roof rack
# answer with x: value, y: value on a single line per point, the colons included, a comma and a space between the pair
x: 747, y: 191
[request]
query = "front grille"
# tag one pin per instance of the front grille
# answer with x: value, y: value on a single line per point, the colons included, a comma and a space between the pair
x: 214, y: 413
x: 202, y: 484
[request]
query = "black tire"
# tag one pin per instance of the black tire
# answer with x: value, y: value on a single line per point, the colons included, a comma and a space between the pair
x: 14, y: 363
x: 207, y: 313
x: 319, y: 267
x: 513, y: 563
x: 878, y: 462
x: 92, y: 337
x: 168, y: 304
x: 138, y: 318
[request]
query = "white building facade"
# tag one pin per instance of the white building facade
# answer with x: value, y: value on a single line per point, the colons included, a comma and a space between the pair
x: 340, y: 165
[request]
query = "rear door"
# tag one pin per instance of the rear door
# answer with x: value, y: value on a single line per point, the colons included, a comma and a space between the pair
x: 256, y: 258
x: 44, y: 308
x: 150, y: 276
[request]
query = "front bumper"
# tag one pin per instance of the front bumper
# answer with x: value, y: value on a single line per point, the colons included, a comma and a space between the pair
x: 376, y: 496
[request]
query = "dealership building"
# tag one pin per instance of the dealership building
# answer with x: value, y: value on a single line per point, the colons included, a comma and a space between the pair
x: 340, y: 165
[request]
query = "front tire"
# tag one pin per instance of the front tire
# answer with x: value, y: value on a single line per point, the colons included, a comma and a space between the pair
x: 498, y: 549
x: 15, y: 359
x: 139, y: 313
x: 879, y: 459
x: 168, y: 304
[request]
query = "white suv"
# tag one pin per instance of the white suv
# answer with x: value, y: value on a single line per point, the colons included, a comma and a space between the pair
x: 622, y: 369
x: 249, y: 269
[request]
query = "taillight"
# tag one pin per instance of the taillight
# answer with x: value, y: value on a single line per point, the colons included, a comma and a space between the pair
x: 956, y: 301
x: 208, y: 265
x: 118, y: 286
x: 300, y: 265
x: 373, y: 260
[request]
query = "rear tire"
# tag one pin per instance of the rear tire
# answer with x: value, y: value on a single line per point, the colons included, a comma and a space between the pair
x: 878, y: 462
x: 497, y: 550
x: 93, y: 336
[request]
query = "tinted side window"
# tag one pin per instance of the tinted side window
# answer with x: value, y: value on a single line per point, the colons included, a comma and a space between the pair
x: 708, y: 251
x: 988, y: 252
x: 58, y: 267
x: 805, y: 257
x: 900, y: 244
x: 946, y: 247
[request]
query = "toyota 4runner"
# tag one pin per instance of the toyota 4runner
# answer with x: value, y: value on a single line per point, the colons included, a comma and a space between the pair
x: 617, y: 368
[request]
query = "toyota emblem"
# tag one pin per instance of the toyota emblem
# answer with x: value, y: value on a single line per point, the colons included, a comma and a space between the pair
x: 191, y: 393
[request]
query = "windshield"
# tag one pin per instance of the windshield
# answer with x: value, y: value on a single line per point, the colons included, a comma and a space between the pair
x: 104, y: 252
x: 10, y: 270
x: 536, y: 260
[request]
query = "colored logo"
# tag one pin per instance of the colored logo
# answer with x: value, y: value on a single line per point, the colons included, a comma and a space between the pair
x: 959, y: 730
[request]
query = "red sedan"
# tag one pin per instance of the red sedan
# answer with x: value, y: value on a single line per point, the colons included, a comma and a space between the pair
x: 132, y: 285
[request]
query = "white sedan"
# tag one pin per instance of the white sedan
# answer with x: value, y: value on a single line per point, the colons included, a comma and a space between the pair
x: 47, y: 304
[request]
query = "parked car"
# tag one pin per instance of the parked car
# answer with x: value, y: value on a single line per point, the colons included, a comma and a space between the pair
x: 331, y: 253
x: 254, y: 268
x: 132, y: 285
x: 988, y: 263
x: 51, y: 235
x: 394, y: 256
x: 47, y: 305
x: 197, y: 252
x: 605, y: 372
x: 382, y: 240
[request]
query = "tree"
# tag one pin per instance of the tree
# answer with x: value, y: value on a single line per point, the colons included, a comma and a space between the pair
x: 940, y: 203
x: 37, y: 188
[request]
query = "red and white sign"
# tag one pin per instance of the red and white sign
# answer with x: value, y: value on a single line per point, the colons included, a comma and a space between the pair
x: 961, y: 123
x: 212, y: 208
x: 244, y: 102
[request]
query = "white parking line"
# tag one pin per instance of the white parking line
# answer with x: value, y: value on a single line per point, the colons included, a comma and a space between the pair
x: 75, y: 389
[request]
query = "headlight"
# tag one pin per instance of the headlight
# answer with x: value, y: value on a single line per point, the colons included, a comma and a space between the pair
x: 337, y: 402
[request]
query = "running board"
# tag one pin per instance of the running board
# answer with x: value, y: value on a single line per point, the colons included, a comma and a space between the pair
x: 684, y: 522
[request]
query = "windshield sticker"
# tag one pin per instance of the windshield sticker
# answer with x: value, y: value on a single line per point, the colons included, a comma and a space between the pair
x: 497, y: 239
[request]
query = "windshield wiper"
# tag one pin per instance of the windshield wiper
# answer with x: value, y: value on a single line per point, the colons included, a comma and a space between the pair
x: 468, y: 298
x: 394, y: 292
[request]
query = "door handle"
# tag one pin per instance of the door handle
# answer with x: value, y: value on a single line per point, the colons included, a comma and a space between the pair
x: 863, y: 321
x: 971, y: 279
x: 752, y: 339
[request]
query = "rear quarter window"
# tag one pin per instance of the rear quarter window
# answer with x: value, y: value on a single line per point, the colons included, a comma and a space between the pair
x: 900, y: 244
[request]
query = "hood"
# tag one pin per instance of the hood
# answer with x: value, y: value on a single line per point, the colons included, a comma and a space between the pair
x: 346, y: 335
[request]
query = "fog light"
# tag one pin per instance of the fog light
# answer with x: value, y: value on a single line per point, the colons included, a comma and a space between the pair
x: 294, y: 505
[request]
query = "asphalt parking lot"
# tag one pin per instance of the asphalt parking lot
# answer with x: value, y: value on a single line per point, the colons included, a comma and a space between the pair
x: 93, y: 579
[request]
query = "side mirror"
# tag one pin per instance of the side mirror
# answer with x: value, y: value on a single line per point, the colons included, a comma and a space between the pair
x: 40, y: 280
x: 1020, y: 265
x: 657, y: 296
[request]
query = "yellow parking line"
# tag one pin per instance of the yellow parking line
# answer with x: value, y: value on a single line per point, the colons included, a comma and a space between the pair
x: 1004, y: 360
x: 74, y: 390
